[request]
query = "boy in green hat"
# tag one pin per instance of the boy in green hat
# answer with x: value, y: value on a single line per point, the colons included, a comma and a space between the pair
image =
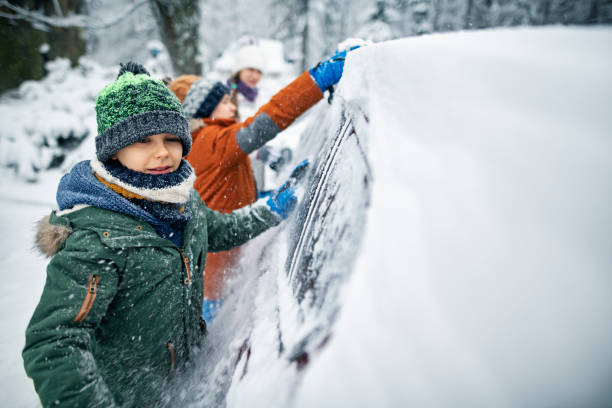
x: 120, y: 310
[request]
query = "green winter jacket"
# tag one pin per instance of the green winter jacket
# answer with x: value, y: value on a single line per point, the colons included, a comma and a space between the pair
x: 120, y: 311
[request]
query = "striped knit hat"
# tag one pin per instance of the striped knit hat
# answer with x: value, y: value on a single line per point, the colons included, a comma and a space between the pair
x: 136, y: 106
x: 200, y: 96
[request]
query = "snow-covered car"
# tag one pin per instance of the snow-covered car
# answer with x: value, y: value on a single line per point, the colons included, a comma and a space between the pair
x: 452, y: 247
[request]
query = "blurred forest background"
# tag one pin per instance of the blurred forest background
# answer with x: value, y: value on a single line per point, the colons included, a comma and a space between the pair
x: 195, y: 32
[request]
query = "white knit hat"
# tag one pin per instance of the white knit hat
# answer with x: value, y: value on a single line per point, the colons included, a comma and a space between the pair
x: 250, y: 56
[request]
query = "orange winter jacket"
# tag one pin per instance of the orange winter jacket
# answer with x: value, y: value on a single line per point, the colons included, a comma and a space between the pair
x: 223, y: 171
x: 219, y: 156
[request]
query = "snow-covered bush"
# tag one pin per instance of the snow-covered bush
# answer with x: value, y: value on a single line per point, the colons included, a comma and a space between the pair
x: 44, y: 121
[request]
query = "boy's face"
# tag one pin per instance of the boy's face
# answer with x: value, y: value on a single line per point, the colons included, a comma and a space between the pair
x: 225, y: 109
x: 157, y: 154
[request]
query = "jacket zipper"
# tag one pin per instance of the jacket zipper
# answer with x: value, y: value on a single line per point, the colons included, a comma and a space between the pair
x: 187, y: 280
x: 92, y: 291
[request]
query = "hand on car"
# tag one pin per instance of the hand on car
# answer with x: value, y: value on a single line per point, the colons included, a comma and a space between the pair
x: 283, y: 200
x: 328, y: 72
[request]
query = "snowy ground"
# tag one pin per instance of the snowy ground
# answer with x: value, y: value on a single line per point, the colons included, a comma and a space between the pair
x: 483, y: 278
x: 23, y: 271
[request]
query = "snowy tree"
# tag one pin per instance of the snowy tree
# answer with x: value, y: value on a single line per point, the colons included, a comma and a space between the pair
x: 509, y: 13
x: 128, y: 23
x: 158, y: 64
x: 179, y: 21
x: 477, y: 14
x: 603, y: 12
x: 450, y: 15
x: 291, y: 19
x: 328, y: 22
x: 569, y: 12
x: 494, y: 13
x: 312, y: 29
x: 379, y: 22
x: 223, y: 22
x: 26, y: 26
x: 65, y: 101
x: 421, y: 16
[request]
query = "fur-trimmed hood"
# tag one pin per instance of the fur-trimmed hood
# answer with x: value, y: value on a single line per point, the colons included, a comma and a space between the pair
x: 50, y: 237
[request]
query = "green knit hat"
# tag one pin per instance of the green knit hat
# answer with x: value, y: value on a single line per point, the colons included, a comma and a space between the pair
x: 136, y: 106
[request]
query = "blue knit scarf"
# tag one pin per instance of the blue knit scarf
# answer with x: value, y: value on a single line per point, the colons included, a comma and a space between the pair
x: 175, y: 214
x: 80, y: 186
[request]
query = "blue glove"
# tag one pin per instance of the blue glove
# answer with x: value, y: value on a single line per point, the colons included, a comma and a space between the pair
x: 283, y: 200
x: 210, y: 308
x: 283, y: 203
x: 264, y: 193
x: 328, y: 72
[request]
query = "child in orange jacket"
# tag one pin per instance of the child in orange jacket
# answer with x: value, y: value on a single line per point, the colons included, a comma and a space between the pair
x: 221, y: 146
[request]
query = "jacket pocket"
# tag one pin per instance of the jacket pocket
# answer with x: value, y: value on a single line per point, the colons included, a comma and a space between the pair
x: 92, y: 290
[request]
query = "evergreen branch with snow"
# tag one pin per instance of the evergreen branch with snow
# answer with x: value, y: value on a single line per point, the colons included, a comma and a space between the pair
x: 42, y: 22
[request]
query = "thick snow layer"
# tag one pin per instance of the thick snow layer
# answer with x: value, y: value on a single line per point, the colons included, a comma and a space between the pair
x: 484, y: 275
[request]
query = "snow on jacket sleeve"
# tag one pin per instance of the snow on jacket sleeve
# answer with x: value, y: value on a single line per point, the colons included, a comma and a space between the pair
x: 276, y: 115
x: 226, y: 231
x: 58, y: 353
